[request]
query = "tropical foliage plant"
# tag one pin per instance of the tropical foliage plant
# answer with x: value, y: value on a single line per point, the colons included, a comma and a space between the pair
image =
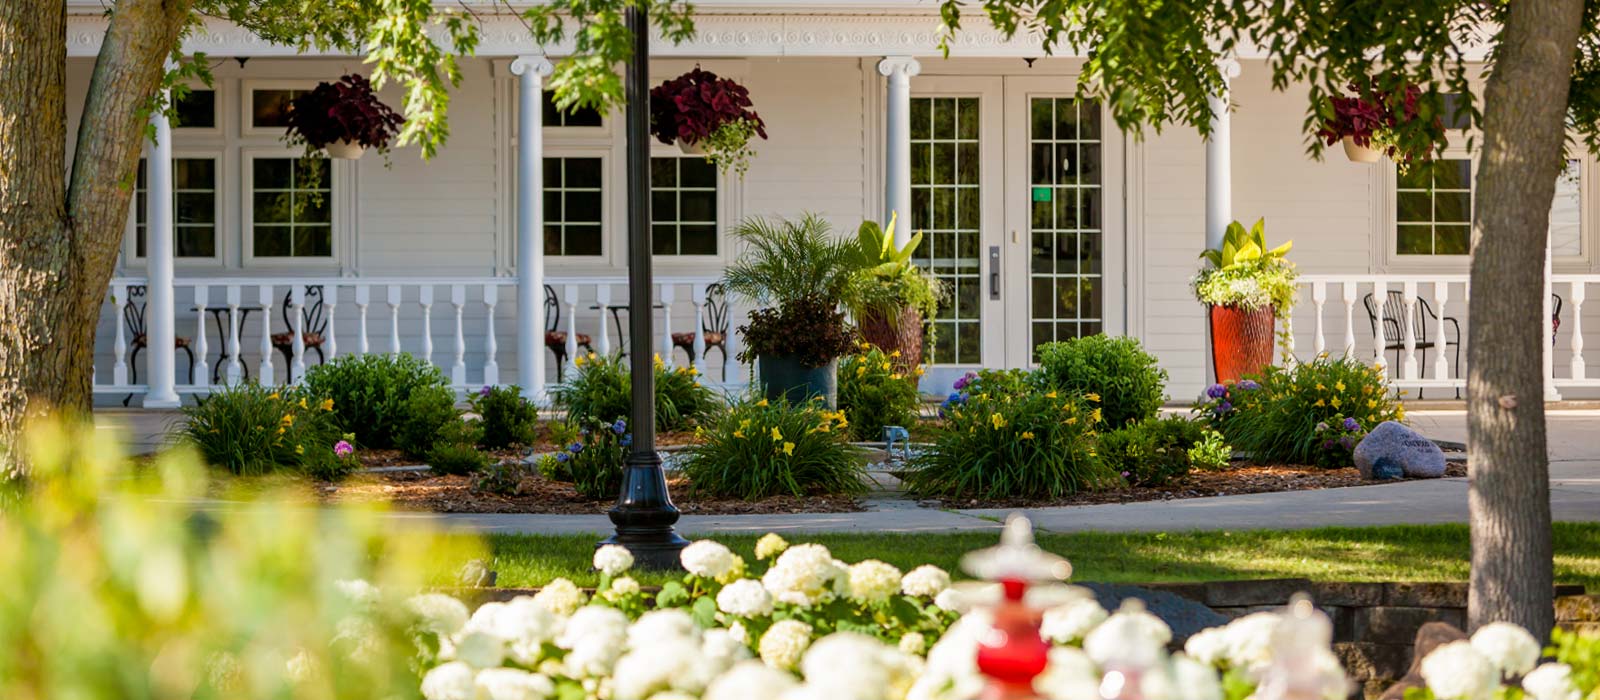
x: 886, y: 281
x: 759, y: 448
x: 1244, y: 272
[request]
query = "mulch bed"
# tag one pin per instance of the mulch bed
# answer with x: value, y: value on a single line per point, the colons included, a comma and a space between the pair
x: 1234, y: 481
x: 425, y: 491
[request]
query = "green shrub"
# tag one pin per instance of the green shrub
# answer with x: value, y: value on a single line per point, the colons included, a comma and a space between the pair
x: 1211, y: 453
x: 457, y: 458
x: 500, y: 479
x: 427, y: 417
x: 601, y: 390
x: 369, y: 392
x: 761, y: 448
x: 251, y: 429
x: 507, y: 418
x: 592, y: 456
x: 1311, y: 413
x: 1130, y: 384
x: 1152, y: 452
x: 873, y: 393
x: 1029, y: 444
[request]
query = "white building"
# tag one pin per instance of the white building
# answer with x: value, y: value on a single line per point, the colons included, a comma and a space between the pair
x: 1045, y: 220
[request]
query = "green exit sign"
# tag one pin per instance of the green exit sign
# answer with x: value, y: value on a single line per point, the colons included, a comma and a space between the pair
x: 1042, y: 194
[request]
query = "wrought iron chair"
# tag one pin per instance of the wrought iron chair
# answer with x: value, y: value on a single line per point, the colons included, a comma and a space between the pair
x: 1555, y: 317
x: 133, y: 320
x: 314, y: 326
x: 714, y: 326
x: 556, y: 339
x: 1394, y: 309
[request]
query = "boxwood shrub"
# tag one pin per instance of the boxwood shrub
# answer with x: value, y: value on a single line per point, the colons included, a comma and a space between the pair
x: 1129, y: 383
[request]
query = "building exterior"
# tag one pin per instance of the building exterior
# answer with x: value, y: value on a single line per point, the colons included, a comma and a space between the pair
x: 1045, y: 221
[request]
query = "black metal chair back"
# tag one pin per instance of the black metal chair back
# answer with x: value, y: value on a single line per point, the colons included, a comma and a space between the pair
x: 311, y: 312
x: 716, y: 320
x: 133, y: 313
x: 552, y: 309
x: 1394, y: 309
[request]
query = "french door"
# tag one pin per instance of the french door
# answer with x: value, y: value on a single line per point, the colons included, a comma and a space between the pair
x: 1016, y: 187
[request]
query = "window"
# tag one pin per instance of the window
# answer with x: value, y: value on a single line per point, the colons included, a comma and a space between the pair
x: 577, y: 116
x: 683, y: 206
x: 196, y: 110
x: 1433, y: 209
x: 269, y: 107
x: 194, y: 221
x: 944, y: 206
x: 572, y: 206
x: 1566, y: 218
x: 291, y: 214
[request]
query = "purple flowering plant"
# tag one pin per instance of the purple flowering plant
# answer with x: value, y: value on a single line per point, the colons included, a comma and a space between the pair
x: 591, y: 458
x: 1308, y: 413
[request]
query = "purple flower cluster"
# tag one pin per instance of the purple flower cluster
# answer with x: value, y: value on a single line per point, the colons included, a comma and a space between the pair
x: 964, y: 381
x: 343, y: 448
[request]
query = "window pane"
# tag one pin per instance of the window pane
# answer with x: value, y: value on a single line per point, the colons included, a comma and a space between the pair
x: 921, y: 118
x: 1454, y: 174
x: 697, y: 172
x: 683, y: 207
x: 194, y: 173
x: 582, y: 206
x: 196, y: 241
x: 582, y: 240
x: 313, y: 173
x: 1452, y: 207
x: 663, y: 172
x: 664, y: 206
x: 314, y: 241
x: 552, y: 239
x: 1413, y: 206
x: 271, y: 241
x: 271, y: 173
x: 138, y: 240
x: 270, y: 107
x: 698, y: 206
x: 577, y: 116
x: 583, y: 172
x: 664, y: 240
x: 944, y: 118
x: 698, y: 240
x: 1452, y: 240
x: 198, y: 110
x: 313, y: 208
x: 196, y: 208
x: 1413, y: 179
x: 272, y: 208
x: 967, y: 118
x: 1451, y: 114
x: 1414, y: 240
x: 552, y: 172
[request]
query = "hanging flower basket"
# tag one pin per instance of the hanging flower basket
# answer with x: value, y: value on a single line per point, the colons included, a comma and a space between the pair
x: 342, y: 118
x: 1360, y: 153
x: 706, y: 115
x: 1367, y: 122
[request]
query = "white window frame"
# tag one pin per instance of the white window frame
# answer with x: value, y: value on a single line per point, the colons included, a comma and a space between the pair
x: 609, y: 245
x: 338, y: 216
x: 725, y: 214
x: 130, y: 243
x: 219, y: 109
x: 603, y: 131
x: 247, y: 91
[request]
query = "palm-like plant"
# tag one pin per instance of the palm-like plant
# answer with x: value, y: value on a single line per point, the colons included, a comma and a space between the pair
x: 785, y: 260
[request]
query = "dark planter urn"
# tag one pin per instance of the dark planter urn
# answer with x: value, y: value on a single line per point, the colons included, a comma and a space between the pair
x: 903, y: 334
x: 1241, y: 341
x: 783, y: 377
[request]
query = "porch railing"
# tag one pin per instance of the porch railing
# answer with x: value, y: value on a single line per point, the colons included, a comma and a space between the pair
x: 1346, y: 315
x: 465, y: 326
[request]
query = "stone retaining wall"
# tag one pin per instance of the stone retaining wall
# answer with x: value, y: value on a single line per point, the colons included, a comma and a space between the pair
x: 1374, y: 624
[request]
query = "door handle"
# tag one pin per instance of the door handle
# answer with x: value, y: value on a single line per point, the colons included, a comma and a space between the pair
x: 994, y: 273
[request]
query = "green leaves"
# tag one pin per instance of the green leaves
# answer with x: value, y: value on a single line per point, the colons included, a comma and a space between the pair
x: 601, y: 43
x: 1240, y: 246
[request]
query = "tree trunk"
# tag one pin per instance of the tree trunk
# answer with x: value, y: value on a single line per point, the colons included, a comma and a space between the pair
x: 1523, y: 123
x: 59, y: 237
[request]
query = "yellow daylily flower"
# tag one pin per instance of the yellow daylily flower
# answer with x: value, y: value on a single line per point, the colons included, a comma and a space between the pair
x: 288, y: 419
x: 997, y: 420
x: 1339, y: 386
x: 777, y: 434
x: 1372, y: 403
x: 1335, y: 402
x: 1094, y: 416
x: 895, y: 375
x: 693, y: 370
x: 578, y: 361
x: 739, y: 434
x: 762, y: 403
x: 894, y: 354
x: 744, y: 424
x: 303, y: 402
x: 919, y: 370
x: 327, y: 404
x: 299, y: 449
x: 1320, y: 402
x: 1091, y: 397
x: 273, y: 396
x: 1399, y: 412
x: 885, y: 366
x: 1027, y: 435
x: 1320, y: 387
x: 659, y: 363
x: 788, y: 448
x: 821, y: 428
x: 1071, y: 420
x: 860, y: 370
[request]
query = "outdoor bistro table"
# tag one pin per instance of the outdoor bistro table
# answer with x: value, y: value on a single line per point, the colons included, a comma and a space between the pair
x: 219, y: 314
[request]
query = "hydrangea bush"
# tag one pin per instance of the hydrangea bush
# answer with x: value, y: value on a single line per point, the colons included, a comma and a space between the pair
x: 1309, y: 413
x: 875, y: 392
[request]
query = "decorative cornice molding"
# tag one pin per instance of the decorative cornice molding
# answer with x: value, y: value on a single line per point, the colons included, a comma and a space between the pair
x: 717, y: 35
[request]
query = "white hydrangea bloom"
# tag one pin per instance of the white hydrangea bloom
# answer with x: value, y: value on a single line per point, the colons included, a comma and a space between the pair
x: 707, y: 559
x: 769, y: 546
x: 623, y: 586
x: 1069, y: 623
x: 849, y: 666
x: 1131, y: 637
x: 1197, y: 679
x: 926, y: 581
x: 673, y: 695
x: 719, y: 651
x: 803, y: 575
x: 1248, y: 640
x: 1208, y: 646
x: 480, y: 649
x: 1512, y: 649
x: 784, y: 643
x: 657, y: 627
x: 438, y: 613
x: 749, y: 680
x: 951, y: 672
x: 1551, y: 682
x: 594, y: 636
x: 613, y: 559
x: 560, y: 596
x: 652, y: 667
x: 302, y: 667
x: 592, y: 657
x: 873, y: 581
x: 523, y: 624
x: 359, y: 592
x: 512, y: 684
x: 1071, y: 675
x: 947, y: 599
x: 913, y: 643
x: 737, y: 631
x: 449, y: 681
x: 745, y: 597
x: 1457, y: 671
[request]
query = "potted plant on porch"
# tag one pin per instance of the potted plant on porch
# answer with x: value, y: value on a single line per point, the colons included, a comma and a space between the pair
x: 1246, y: 286
x: 343, y: 118
x: 1368, y: 123
x: 798, y: 272
x: 706, y: 115
x: 888, y: 295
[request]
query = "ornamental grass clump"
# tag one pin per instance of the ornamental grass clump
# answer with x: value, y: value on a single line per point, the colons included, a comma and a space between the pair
x: 873, y: 392
x: 249, y: 429
x: 1131, y: 385
x: 1005, y: 438
x: 602, y: 390
x: 761, y: 448
x: 1311, y: 413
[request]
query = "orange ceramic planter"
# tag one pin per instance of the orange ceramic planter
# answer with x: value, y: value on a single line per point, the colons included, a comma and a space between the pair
x: 1241, y: 341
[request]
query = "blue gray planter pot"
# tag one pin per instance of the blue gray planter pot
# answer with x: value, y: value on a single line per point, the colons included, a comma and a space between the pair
x: 783, y: 377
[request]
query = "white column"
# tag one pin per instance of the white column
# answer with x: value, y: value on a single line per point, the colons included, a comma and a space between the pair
x: 531, y: 72
x: 897, y: 143
x: 160, y: 322
x: 1219, y: 161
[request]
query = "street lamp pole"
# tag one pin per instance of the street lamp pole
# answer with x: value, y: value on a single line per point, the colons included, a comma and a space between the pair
x: 644, y: 514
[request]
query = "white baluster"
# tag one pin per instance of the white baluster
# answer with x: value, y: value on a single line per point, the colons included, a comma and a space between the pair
x: 330, y: 301
x: 119, y: 348
x: 202, y: 347
x: 491, y: 366
x: 697, y: 353
x: 235, y: 364
x: 363, y: 298
x: 266, y: 375
x: 1408, y: 328
x: 666, y: 290
x: 394, y: 319
x: 425, y: 300
x: 730, y: 348
x: 297, y: 339
x: 1441, y: 360
x: 1349, y: 320
x: 1380, y: 294
x: 570, y: 296
x: 458, y: 299
x: 1575, y: 298
x: 602, y: 296
x: 1319, y: 296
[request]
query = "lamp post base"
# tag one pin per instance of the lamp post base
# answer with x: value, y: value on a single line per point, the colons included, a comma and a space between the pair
x: 644, y: 516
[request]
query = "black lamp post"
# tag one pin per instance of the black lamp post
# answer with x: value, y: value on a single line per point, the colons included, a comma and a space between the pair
x: 644, y: 514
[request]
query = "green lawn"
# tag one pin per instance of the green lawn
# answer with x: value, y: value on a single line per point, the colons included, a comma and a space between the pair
x: 1397, y: 553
